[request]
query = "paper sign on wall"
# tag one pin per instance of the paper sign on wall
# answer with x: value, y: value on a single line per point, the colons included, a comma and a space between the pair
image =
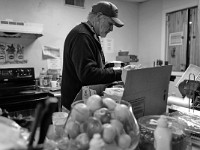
x: 107, y: 45
x: 175, y: 38
x: 51, y: 52
x: 54, y: 63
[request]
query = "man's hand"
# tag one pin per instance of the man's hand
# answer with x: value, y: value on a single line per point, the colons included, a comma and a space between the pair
x: 127, y: 68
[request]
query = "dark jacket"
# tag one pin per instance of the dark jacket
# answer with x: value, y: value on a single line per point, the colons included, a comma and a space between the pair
x: 83, y: 63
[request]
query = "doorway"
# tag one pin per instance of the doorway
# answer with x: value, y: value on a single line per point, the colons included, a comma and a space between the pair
x: 182, y: 44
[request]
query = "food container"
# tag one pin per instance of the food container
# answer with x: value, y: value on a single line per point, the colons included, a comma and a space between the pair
x: 95, y: 126
x: 123, y: 53
x: 58, y: 120
x: 47, y: 80
x: 147, y: 126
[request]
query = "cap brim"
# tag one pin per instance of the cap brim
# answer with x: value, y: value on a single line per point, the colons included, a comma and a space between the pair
x: 118, y: 23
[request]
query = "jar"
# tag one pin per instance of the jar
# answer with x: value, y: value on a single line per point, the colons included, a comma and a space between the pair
x: 47, y: 80
x: 130, y: 127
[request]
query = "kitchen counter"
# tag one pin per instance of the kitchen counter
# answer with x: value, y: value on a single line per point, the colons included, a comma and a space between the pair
x: 176, y: 73
x: 54, y: 92
x: 57, y: 94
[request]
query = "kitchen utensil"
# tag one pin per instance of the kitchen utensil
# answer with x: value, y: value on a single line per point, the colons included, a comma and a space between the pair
x: 50, y: 107
x: 35, y: 123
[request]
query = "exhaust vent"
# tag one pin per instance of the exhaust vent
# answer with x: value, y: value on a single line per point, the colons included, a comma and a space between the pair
x: 12, y: 23
x: 17, y: 29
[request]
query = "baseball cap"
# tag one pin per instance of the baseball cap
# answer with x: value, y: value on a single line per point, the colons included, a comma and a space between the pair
x: 108, y: 9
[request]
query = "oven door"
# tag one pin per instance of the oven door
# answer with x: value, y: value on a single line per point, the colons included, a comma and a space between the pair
x: 23, y: 104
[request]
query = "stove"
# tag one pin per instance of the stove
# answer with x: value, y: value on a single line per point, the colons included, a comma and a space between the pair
x: 18, y: 91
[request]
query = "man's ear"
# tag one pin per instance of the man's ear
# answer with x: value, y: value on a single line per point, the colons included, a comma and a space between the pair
x: 99, y: 14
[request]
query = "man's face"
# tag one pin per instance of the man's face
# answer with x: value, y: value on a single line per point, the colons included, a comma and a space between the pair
x: 105, y: 25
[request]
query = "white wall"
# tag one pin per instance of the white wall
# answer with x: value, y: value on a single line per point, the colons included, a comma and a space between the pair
x: 151, y: 39
x: 58, y: 19
x: 143, y: 33
x: 151, y: 26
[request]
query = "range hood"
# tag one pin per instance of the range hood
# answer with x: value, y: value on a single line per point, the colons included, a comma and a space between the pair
x: 13, y: 29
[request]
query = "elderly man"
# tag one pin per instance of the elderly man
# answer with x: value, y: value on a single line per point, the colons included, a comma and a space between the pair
x: 83, y: 58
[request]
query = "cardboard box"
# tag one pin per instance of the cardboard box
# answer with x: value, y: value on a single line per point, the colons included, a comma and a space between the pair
x: 147, y: 90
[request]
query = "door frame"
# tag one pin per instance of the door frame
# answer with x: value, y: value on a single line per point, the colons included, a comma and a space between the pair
x: 163, y: 30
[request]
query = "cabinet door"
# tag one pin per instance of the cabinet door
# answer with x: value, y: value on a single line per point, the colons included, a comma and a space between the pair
x: 176, y: 35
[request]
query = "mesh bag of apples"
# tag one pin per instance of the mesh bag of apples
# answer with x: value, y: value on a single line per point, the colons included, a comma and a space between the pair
x: 101, y: 124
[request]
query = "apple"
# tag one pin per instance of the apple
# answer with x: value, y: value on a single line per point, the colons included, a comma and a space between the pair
x: 109, y: 103
x: 103, y: 115
x: 93, y: 126
x: 82, y: 141
x: 94, y: 103
x: 128, y: 127
x: 83, y: 127
x: 72, y: 128
x: 117, y: 125
x: 122, y: 112
x: 109, y: 133
x: 124, y: 141
x: 80, y: 112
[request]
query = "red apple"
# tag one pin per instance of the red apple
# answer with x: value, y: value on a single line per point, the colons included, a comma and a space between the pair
x: 109, y: 133
x: 93, y: 126
x: 103, y: 115
x: 80, y: 112
x: 109, y: 103
x: 122, y: 112
x: 82, y: 141
x: 94, y: 103
x: 72, y: 128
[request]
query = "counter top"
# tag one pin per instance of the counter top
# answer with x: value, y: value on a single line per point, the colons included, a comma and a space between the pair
x: 176, y: 73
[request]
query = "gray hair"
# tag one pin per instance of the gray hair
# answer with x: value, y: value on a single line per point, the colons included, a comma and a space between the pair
x: 91, y: 16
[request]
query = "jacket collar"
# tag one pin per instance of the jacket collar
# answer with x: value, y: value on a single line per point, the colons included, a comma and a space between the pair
x: 91, y: 28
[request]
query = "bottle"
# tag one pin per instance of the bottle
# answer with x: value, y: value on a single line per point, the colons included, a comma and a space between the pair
x: 162, y: 135
x: 41, y: 77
